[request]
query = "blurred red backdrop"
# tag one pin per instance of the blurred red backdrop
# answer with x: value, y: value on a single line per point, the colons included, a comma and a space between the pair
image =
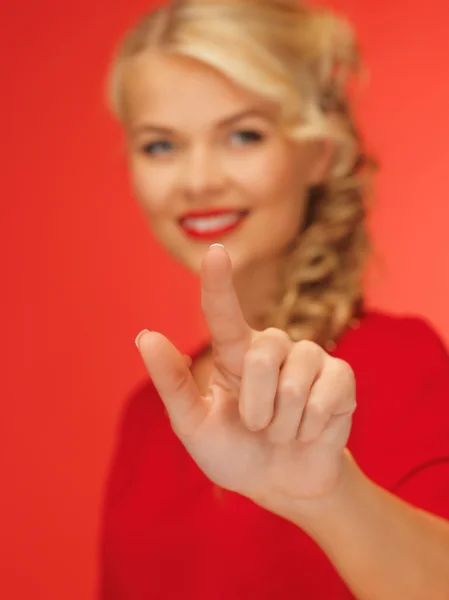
x: 82, y: 274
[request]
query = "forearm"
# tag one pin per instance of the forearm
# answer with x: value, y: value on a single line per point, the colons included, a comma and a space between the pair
x: 382, y: 547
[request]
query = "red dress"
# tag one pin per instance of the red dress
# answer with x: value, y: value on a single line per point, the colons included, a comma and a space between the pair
x: 169, y: 534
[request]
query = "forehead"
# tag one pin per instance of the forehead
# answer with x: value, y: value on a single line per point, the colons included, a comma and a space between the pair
x: 180, y: 91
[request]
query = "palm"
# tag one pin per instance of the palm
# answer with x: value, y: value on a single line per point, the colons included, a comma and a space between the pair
x: 247, y: 462
x: 231, y: 433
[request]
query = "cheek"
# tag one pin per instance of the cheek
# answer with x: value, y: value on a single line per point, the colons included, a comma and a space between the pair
x: 278, y: 191
x: 153, y: 190
x: 151, y: 187
x: 276, y: 177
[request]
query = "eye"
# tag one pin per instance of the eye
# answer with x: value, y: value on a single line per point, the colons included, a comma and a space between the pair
x: 246, y: 136
x: 158, y: 148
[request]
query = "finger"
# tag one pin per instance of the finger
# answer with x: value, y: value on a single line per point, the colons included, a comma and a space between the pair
x: 173, y: 381
x: 300, y: 370
x: 260, y: 375
x: 331, y: 402
x: 231, y: 335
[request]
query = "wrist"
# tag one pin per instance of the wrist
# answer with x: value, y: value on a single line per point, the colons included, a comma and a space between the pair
x: 317, y: 513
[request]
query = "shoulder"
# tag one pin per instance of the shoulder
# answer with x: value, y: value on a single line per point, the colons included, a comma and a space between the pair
x: 396, y: 354
x: 395, y: 340
x: 402, y: 372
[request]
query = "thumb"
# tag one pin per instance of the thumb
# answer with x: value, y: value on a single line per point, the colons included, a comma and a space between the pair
x: 173, y: 381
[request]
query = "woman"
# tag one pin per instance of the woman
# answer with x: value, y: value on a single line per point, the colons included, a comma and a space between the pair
x: 245, y: 471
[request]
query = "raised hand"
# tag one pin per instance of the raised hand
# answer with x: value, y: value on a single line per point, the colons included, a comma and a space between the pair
x: 277, y: 415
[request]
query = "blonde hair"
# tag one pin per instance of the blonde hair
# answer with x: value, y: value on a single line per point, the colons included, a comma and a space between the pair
x: 301, y: 58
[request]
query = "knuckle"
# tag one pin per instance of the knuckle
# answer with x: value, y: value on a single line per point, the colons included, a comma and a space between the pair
x: 258, y: 359
x: 291, y: 389
x: 277, y: 334
x: 343, y: 371
x: 318, y: 410
x: 310, y: 348
x: 268, y: 349
x: 254, y: 421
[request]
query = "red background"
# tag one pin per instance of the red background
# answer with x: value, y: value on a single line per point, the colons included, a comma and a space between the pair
x: 82, y: 274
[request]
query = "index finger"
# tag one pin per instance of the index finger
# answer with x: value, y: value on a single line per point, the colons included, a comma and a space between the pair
x: 231, y: 334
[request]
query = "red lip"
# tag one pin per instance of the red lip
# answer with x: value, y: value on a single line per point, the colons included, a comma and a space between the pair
x: 212, y: 234
x: 210, y: 213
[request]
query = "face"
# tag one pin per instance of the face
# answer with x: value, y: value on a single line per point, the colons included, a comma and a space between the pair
x: 210, y: 163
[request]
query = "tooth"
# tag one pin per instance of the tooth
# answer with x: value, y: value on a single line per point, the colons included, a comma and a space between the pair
x: 209, y: 223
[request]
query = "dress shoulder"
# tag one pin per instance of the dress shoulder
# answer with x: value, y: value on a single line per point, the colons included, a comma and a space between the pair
x: 412, y: 343
x: 401, y: 424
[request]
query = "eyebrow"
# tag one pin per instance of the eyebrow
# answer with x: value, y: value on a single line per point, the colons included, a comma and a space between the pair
x: 155, y: 128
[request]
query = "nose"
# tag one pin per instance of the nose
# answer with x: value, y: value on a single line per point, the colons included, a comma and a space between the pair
x: 202, y: 172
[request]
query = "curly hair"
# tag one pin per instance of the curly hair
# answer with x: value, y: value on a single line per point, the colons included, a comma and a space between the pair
x: 302, y: 58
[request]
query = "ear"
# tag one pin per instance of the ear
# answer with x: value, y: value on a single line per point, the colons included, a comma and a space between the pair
x: 322, y: 157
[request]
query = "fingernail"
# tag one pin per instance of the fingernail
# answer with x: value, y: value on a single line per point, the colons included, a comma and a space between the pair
x: 137, y: 340
x: 220, y: 245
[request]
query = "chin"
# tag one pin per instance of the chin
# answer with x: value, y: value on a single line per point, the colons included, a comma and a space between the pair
x: 244, y: 248
x: 191, y: 254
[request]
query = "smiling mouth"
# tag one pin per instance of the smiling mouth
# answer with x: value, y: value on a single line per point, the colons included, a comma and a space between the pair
x: 211, y: 225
